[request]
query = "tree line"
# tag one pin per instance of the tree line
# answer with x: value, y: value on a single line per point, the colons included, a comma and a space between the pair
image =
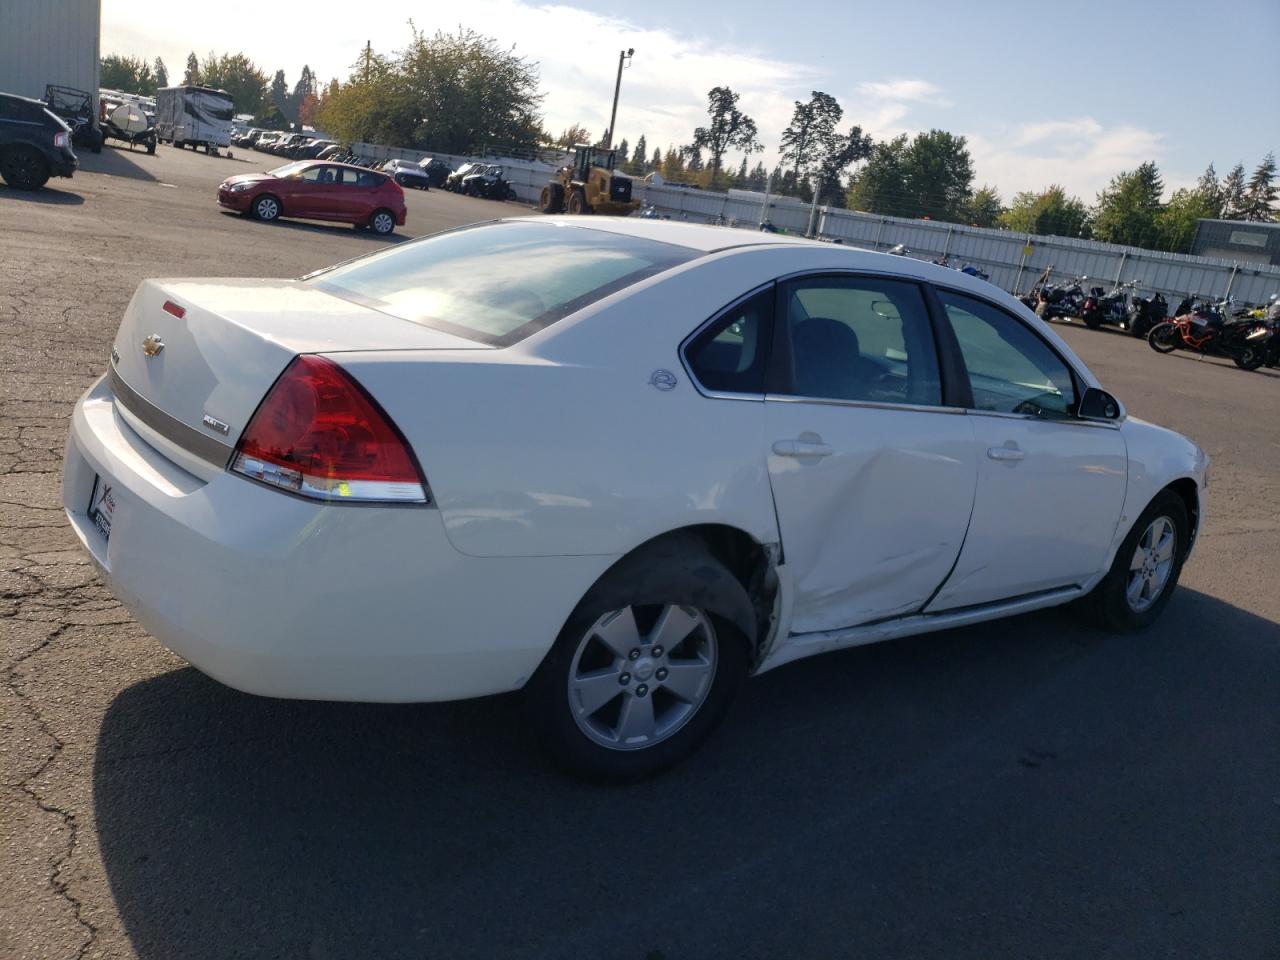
x: 272, y: 102
x: 930, y: 176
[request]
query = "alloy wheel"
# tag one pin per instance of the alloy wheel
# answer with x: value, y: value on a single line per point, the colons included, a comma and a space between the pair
x: 639, y: 674
x: 1151, y: 565
x: 382, y: 223
x: 267, y: 208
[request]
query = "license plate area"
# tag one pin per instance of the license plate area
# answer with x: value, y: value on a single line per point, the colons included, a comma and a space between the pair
x: 102, y: 506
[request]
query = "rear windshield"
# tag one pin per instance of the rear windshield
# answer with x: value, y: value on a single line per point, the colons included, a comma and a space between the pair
x: 498, y: 283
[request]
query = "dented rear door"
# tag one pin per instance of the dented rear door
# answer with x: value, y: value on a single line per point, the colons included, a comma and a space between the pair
x: 873, y: 477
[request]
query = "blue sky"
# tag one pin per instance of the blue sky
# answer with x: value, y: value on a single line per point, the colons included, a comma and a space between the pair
x: 1045, y: 93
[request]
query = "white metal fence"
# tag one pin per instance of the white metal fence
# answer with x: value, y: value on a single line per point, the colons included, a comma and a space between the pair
x: 1012, y: 260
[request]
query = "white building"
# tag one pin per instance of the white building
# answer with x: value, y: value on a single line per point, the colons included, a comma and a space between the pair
x: 48, y: 41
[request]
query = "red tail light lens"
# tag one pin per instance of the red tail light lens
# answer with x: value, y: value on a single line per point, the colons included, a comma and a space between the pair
x: 317, y: 433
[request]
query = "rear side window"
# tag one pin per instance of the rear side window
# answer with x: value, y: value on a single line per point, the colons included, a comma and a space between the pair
x: 732, y: 354
x: 498, y: 283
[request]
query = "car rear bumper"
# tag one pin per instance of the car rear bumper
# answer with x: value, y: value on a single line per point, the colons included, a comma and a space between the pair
x: 277, y: 595
x: 64, y: 164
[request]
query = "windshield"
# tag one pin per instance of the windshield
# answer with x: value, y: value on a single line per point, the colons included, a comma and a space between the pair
x: 498, y: 283
x: 290, y: 169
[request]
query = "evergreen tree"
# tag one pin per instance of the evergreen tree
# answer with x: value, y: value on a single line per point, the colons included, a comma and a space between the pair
x: 640, y: 156
x: 813, y: 125
x: 623, y: 152
x: 742, y: 173
x: 1233, y: 194
x: 1127, y: 208
x: 1260, y: 196
x: 1210, y: 191
x: 728, y: 127
x: 193, y: 69
x: 161, y: 73
x: 280, y: 93
x: 656, y: 162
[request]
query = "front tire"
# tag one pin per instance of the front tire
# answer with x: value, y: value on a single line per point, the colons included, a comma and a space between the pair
x: 578, y: 204
x: 646, y: 666
x: 552, y: 199
x: 1163, y: 337
x: 23, y: 168
x: 1146, y: 568
x: 266, y: 208
x: 1250, y: 358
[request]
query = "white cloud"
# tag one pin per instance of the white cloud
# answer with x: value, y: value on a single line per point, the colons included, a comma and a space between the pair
x: 920, y: 91
x: 1079, y: 153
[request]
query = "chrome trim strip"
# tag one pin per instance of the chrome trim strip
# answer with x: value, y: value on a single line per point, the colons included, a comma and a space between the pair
x: 1066, y: 421
x: 172, y: 429
x: 869, y: 404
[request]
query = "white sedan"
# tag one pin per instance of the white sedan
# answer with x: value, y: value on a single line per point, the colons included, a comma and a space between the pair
x: 620, y: 464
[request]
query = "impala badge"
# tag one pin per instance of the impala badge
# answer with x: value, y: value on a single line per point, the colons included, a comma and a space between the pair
x: 213, y: 423
x: 152, y: 345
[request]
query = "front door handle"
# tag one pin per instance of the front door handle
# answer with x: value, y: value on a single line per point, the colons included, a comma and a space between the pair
x: 802, y: 448
x: 1007, y: 453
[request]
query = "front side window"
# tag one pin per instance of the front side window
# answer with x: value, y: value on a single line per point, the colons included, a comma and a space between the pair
x: 500, y: 282
x: 861, y: 338
x: 732, y: 354
x: 1011, y: 370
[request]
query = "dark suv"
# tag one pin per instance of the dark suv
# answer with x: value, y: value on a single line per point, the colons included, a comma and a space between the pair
x: 34, y: 144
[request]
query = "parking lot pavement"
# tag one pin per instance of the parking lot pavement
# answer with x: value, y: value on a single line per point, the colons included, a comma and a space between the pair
x: 1027, y: 788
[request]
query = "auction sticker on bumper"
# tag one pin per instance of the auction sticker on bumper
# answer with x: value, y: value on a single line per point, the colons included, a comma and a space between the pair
x: 102, y: 506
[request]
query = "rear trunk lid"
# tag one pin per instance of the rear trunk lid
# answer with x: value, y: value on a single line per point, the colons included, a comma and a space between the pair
x: 193, y: 358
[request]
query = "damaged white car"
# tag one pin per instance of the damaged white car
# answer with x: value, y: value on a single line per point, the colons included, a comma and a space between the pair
x: 618, y: 464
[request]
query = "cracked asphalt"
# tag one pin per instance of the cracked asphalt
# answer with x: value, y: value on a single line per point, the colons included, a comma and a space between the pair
x: 1031, y: 788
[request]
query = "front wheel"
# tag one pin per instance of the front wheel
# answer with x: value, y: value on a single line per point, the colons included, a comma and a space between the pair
x: 1145, y: 571
x: 23, y: 168
x: 1163, y: 338
x: 1139, y: 327
x: 646, y: 666
x: 266, y: 208
x: 1092, y: 319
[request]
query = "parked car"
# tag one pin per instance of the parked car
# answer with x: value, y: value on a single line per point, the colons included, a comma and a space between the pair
x: 397, y: 491
x: 407, y: 174
x: 312, y: 149
x: 34, y: 144
x: 453, y: 181
x: 330, y: 152
x: 489, y: 183
x: 437, y: 170
x: 311, y: 190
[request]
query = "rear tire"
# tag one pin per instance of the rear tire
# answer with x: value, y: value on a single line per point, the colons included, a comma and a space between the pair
x: 552, y: 199
x: 1249, y: 359
x: 646, y: 666
x: 383, y: 222
x: 1132, y: 597
x: 1092, y: 319
x: 1163, y: 338
x: 1140, y: 327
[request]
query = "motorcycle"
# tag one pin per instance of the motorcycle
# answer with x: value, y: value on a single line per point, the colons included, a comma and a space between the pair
x: 1145, y: 313
x: 1204, y: 330
x: 1060, y: 299
x: 1113, y: 308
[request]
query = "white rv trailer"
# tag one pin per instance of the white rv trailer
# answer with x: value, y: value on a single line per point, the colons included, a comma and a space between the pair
x: 194, y: 116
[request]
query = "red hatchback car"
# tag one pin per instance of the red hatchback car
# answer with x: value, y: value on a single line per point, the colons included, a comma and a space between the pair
x: 315, y: 190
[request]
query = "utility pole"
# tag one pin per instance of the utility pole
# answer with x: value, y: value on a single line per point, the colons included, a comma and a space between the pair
x: 624, y: 56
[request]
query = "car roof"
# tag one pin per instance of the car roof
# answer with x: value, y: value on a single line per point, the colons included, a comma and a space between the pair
x: 695, y: 236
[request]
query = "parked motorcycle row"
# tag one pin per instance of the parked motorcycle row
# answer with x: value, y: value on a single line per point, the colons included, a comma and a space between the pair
x: 1249, y: 336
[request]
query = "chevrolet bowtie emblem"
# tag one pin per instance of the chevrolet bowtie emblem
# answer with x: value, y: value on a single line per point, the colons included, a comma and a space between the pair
x: 152, y: 345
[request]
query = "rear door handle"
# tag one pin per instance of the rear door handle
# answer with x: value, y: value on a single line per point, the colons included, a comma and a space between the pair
x: 1007, y: 454
x: 802, y: 448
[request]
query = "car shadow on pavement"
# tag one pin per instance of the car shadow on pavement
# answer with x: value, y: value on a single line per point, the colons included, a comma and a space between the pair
x: 955, y: 794
x: 46, y: 195
x: 313, y: 227
x: 118, y: 162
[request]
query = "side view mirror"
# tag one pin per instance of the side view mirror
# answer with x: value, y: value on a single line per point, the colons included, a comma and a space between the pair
x: 1099, y: 405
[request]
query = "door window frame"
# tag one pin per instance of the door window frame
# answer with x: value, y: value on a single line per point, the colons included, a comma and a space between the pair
x: 953, y: 378
x: 1078, y: 384
x: 768, y: 340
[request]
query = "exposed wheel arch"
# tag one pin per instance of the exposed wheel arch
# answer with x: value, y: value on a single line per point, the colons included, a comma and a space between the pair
x: 1190, y: 494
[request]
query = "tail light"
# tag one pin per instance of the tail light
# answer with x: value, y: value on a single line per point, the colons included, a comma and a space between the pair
x: 61, y: 138
x: 1090, y: 303
x: 319, y: 434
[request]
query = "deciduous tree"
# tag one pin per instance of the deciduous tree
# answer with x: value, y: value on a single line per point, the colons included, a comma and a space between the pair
x: 984, y: 208
x: 239, y: 76
x: 808, y: 137
x: 126, y: 74
x: 1047, y: 213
